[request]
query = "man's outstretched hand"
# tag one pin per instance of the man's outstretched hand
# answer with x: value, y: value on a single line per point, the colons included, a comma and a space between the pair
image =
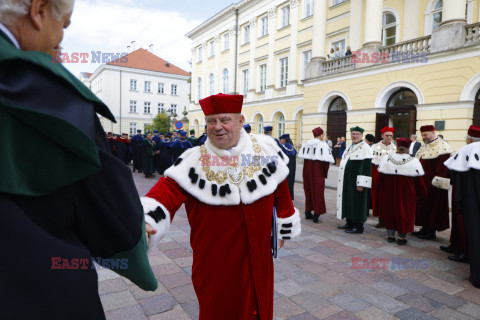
x: 149, y: 230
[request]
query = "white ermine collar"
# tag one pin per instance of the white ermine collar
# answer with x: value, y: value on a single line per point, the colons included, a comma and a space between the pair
x: 468, y: 157
x: 380, y: 150
x: 402, y: 165
x: 433, y: 149
x: 318, y: 150
x: 359, y: 151
x: 251, y: 170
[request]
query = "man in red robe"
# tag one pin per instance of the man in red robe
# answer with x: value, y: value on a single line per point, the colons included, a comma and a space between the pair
x: 401, y: 184
x: 317, y: 158
x: 380, y: 149
x: 230, y: 187
x: 432, y: 212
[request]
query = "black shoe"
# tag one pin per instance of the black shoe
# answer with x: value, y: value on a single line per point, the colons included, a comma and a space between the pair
x: 354, y: 230
x: 430, y: 235
x: 308, y: 215
x: 418, y: 233
x: 390, y: 239
x: 402, y: 242
x: 448, y: 249
x: 315, y: 218
x: 476, y: 284
x: 462, y: 257
x: 346, y: 226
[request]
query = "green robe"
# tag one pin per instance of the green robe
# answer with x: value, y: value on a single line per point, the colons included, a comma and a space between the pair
x: 148, y: 147
x: 355, y: 171
x: 192, y: 140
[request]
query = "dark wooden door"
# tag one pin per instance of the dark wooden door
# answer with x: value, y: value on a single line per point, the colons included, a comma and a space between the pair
x: 413, y: 123
x: 403, y: 119
x: 476, y: 113
x: 336, y: 125
x: 380, y: 123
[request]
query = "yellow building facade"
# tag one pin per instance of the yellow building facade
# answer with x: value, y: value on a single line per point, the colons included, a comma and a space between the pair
x: 414, y: 62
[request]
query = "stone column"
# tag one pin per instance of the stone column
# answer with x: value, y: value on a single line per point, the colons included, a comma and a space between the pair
x: 451, y: 33
x: 373, y: 23
x: 293, y: 55
x: 231, y: 59
x: 218, y: 72
x: 251, y: 68
x: 411, y: 17
x: 355, y: 31
x: 314, y: 68
x: 271, y: 65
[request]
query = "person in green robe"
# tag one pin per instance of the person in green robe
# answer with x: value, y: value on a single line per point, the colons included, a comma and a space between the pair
x: 354, y: 177
x: 149, y: 151
x: 192, y: 138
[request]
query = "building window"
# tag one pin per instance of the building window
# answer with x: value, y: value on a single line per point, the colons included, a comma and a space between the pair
x: 225, y: 81
x: 211, y: 84
x: 133, y: 106
x: 280, y: 125
x: 389, y: 29
x: 339, y: 48
x: 263, y: 26
x: 263, y: 77
x: 161, y: 108
x: 199, y: 88
x: 161, y: 88
x: 212, y: 48
x: 307, y: 8
x: 226, y: 41
x: 133, y: 128
x: 148, y: 86
x: 174, y: 109
x: 283, y: 72
x: 335, y: 2
x: 260, y: 125
x: 437, y: 14
x: 146, y: 107
x: 307, y: 56
x: 133, y: 85
x: 285, y: 17
x: 246, y: 34
x: 173, y: 90
x: 245, y: 81
x: 199, y: 54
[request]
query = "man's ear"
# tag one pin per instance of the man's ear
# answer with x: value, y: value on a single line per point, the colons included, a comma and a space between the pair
x: 242, y: 119
x: 38, y: 13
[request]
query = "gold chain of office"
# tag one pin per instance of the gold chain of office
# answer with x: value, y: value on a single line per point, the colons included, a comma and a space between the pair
x: 234, y: 172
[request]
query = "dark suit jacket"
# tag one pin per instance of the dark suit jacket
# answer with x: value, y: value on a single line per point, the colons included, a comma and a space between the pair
x: 416, y: 146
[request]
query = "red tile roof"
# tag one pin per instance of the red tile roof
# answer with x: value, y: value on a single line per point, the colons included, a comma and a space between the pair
x: 142, y: 59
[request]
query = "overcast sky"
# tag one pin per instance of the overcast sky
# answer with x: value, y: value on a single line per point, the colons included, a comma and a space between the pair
x: 109, y: 26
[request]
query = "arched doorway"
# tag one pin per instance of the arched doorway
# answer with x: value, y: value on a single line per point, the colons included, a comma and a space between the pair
x: 299, y: 128
x: 280, y: 125
x: 401, y: 114
x: 259, y: 123
x: 337, y: 119
x: 476, y: 110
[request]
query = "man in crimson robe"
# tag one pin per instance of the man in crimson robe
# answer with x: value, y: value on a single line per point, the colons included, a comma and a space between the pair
x: 317, y: 157
x: 354, y: 176
x: 432, y: 212
x: 380, y: 150
x: 229, y: 186
x: 401, y: 184
x: 465, y: 169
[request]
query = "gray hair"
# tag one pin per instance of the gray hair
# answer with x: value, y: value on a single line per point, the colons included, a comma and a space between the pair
x: 473, y: 139
x: 10, y: 10
x: 414, y: 135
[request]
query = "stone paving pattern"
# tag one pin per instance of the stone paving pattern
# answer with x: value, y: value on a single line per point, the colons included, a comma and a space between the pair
x: 314, y: 278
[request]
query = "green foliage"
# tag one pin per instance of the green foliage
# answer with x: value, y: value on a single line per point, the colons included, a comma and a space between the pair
x: 161, y: 122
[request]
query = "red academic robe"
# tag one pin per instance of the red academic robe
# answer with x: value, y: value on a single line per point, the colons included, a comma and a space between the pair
x: 232, y: 271
x: 399, y: 196
x: 377, y: 200
x: 458, y: 237
x: 433, y: 210
x: 314, y: 175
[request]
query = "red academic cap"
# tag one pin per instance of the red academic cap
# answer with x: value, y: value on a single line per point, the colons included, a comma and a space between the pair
x: 427, y: 128
x: 474, y: 131
x: 404, y: 142
x: 222, y: 103
x: 109, y: 133
x: 317, y: 132
x: 387, y: 129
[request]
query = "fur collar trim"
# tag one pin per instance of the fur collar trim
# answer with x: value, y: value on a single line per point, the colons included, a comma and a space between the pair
x: 251, y: 170
x: 468, y: 157
x: 434, y: 149
x: 402, y: 165
x: 380, y: 150
x: 315, y: 149
x: 359, y: 151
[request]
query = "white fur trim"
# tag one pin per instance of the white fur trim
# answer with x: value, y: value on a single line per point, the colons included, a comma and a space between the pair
x: 162, y: 227
x: 244, y: 151
x: 315, y: 149
x: 364, y: 181
x: 380, y: 150
x: 434, y: 149
x: 286, y: 232
x: 468, y: 157
x: 409, y: 167
x: 441, y: 183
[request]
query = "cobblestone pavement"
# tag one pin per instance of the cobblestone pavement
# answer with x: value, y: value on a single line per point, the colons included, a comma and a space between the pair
x: 314, y: 276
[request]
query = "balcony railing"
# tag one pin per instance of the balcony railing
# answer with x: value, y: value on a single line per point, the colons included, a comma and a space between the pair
x: 338, y: 65
x: 417, y: 45
x: 473, y: 33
